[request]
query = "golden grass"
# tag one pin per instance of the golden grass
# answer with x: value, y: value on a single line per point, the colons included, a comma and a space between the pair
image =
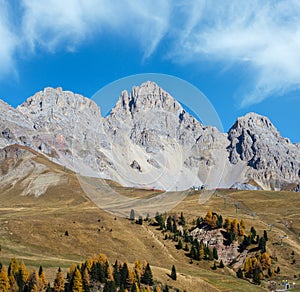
x: 34, y: 229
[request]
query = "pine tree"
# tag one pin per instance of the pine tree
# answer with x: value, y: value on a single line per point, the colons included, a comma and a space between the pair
x: 173, y: 273
x: 132, y: 215
x: 208, y: 218
x: 13, y: 270
x: 160, y: 221
x: 22, y: 277
x: 34, y: 282
x: 110, y: 286
x: 86, y: 280
x: 169, y: 223
x: 252, y: 234
x: 59, y: 282
x: 214, y: 266
x: 227, y: 224
x: 174, y: 226
x: 266, y: 235
x: 234, y: 227
x: 242, y: 224
x: 221, y: 265
x: 117, y: 273
x: 126, y: 276
x: 4, y: 281
x: 201, y: 251
x: 179, y: 245
x: 256, y: 276
x: 135, y: 287
x: 240, y: 274
x: 42, y: 277
x: 147, y: 277
x: 262, y: 244
x: 182, y: 219
x: 215, y: 253
x: 77, y: 282
x: 220, y: 221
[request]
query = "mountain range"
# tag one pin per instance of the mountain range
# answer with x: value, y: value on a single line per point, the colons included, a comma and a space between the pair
x: 147, y: 141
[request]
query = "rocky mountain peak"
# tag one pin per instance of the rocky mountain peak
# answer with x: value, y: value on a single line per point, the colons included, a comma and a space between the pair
x: 256, y: 141
x: 256, y: 124
x: 55, y: 99
x: 148, y: 139
x: 147, y: 96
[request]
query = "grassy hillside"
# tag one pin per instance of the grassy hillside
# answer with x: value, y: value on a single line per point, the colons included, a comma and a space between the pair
x: 64, y: 226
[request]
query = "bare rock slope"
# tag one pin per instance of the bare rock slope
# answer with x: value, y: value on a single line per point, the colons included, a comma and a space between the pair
x: 148, y: 140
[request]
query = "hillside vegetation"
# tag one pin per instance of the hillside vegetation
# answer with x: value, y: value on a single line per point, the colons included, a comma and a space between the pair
x: 63, y: 227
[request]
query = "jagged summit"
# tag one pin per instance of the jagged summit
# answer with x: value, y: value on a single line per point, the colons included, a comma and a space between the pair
x: 147, y: 96
x: 55, y: 98
x: 149, y: 129
x: 256, y: 123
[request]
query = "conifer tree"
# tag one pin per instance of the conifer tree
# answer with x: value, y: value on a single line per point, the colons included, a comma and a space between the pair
x: 256, y: 276
x: 252, y: 234
x: 169, y: 223
x: 147, y: 277
x: 77, y: 282
x: 4, y: 281
x: 173, y: 273
x: 110, y: 286
x: 262, y: 244
x: 126, y: 276
x: 201, y: 251
x: 117, y: 273
x: 221, y: 265
x: 174, y: 226
x: 59, y: 282
x: 42, y: 277
x: 240, y: 274
x: 34, y: 282
x: 22, y: 277
x: 220, y: 221
x: 215, y: 253
x: 242, y: 224
x: 182, y: 219
x: 179, y: 245
x: 132, y: 215
x: 266, y: 235
x: 135, y: 287
x: 160, y: 220
x: 86, y: 280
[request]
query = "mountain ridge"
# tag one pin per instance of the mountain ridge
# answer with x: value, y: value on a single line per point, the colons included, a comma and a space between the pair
x: 149, y: 140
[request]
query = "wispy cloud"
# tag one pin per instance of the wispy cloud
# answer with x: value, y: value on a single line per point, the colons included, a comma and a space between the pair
x: 264, y: 36
x: 8, y: 41
x: 54, y: 24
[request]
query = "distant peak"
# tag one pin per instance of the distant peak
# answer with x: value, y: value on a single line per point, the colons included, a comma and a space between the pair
x: 149, y: 95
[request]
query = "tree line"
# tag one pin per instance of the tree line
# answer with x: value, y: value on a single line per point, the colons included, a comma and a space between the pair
x: 95, y: 273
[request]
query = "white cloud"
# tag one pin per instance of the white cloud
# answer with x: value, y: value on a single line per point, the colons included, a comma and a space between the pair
x: 263, y: 35
x: 8, y: 41
x: 67, y: 23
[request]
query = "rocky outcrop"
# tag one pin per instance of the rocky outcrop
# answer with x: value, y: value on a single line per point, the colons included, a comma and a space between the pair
x: 149, y: 140
x: 271, y: 159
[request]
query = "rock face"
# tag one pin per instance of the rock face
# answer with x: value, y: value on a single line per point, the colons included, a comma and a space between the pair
x: 149, y: 140
x: 271, y: 159
x: 20, y: 170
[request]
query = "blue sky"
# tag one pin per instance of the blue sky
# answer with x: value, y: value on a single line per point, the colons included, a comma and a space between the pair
x: 243, y: 55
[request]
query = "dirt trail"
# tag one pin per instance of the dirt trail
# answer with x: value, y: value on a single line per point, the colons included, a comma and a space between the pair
x: 151, y: 233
